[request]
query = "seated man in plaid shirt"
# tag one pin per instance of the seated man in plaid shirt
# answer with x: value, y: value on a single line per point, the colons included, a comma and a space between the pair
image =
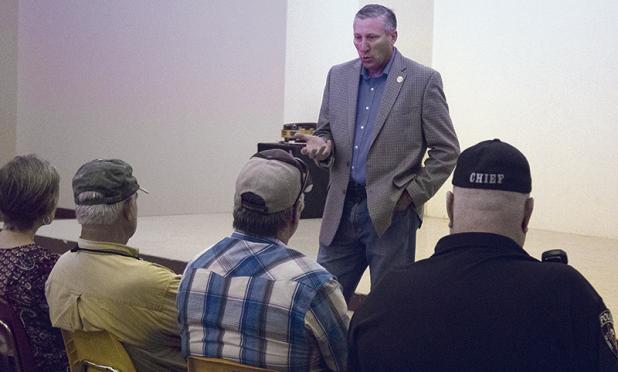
x: 251, y: 298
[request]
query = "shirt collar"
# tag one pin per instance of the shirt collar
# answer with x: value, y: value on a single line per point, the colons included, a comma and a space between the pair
x: 385, y: 71
x: 108, y: 247
x: 502, y: 244
x: 237, y: 234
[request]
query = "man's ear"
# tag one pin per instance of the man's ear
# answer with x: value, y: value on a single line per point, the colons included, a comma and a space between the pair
x: 394, y: 36
x: 127, y: 210
x: 298, y: 209
x: 528, y: 207
x: 295, y: 214
x: 450, y: 199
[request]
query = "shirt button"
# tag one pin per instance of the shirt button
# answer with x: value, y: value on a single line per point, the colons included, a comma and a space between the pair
x: 372, y: 89
x: 362, y: 127
x: 366, y: 107
x: 352, y: 167
x: 356, y: 147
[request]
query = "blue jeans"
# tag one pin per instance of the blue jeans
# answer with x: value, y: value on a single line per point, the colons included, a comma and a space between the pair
x: 356, y: 245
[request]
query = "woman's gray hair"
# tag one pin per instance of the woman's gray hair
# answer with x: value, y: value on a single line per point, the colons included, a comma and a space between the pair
x: 376, y: 10
x: 100, y: 214
x: 29, y: 188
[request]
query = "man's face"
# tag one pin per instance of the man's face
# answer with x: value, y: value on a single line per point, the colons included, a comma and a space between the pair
x: 373, y: 43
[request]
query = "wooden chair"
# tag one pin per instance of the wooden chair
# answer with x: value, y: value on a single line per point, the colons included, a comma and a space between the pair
x: 96, y: 351
x: 15, y: 350
x: 203, y: 364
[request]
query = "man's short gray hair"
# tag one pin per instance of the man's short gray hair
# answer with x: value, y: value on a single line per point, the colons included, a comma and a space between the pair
x: 100, y: 214
x: 376, y: 10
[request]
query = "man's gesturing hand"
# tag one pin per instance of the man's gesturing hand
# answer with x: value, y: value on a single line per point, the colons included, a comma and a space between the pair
x: 315, y: 148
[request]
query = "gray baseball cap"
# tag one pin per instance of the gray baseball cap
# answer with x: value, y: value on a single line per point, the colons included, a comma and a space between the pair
x: 271, y: 181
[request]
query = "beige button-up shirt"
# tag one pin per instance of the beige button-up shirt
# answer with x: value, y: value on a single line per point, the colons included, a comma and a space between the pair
x: 107, y: 287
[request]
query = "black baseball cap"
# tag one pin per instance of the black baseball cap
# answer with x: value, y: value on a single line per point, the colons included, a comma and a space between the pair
x: 112, y: 179
x: 493, y: 165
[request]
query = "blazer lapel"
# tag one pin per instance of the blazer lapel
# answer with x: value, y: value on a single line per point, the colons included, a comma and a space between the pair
x: 394, y: 82
x: 353, y: 82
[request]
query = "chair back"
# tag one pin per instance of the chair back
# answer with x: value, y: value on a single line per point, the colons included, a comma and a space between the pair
x: 96, y: 351
x: 203, y: 364
x: 15, y: 350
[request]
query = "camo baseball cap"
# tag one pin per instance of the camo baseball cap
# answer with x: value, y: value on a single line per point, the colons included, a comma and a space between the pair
x: 110, y: 180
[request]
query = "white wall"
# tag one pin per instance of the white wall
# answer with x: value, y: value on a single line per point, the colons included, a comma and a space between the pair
x: 543, y: 76
x: 8, y: 78
x: 319, y: 35
x: 182, y: 90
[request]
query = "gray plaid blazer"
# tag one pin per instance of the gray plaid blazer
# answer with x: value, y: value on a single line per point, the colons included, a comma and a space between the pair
x: 412, y: 119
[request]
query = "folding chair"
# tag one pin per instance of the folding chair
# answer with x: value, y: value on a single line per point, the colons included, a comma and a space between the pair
x: 15, y: 350
x: 202, y: 364
x: 96, y: 351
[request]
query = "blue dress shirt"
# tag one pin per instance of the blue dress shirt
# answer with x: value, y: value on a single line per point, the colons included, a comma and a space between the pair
x: 370, y: 92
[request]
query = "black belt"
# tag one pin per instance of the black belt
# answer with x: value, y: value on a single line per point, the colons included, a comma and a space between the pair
x: 356, y: 192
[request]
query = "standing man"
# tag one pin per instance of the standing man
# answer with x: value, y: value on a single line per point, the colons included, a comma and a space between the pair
x: 380, y: 114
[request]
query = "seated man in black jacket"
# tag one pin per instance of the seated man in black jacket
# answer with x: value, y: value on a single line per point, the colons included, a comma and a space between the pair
x: 481, y: 302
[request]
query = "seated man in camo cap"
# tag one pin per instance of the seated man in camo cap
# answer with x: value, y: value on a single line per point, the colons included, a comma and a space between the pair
x: 103, y: 285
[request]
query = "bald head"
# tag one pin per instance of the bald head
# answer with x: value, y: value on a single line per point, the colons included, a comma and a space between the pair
x: 491, y: 211
x: 491, y: 191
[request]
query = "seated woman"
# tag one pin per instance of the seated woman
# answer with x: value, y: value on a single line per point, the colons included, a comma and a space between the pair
x: 28, y: 196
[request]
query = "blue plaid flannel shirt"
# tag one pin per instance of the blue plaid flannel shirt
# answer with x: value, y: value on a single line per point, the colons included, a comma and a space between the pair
x: 257, y: 301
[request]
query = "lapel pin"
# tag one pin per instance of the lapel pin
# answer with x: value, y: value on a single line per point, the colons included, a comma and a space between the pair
x: 399, y: 79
